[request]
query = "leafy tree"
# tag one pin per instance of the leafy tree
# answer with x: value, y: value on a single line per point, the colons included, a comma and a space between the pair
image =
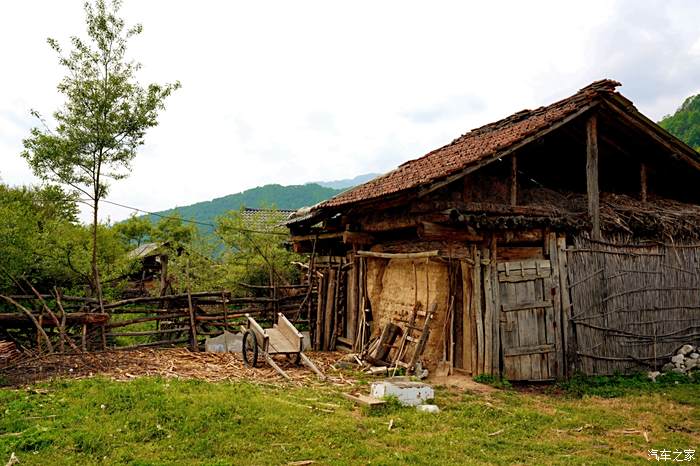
x: 42, y: 241
x: 135, y: 231
x: 255, y: 256
x: 685, y: 123
x: 174, y: 231
x: 104, y: 118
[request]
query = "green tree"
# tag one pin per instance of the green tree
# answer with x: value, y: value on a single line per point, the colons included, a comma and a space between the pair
x: 104, y: 118
x: 255, y: 251
x: 32, y: 220
x: 685, y: 122
x: 135, y: 231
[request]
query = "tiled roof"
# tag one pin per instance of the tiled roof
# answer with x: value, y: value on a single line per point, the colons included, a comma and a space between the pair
x: 476, y: 145
x: 264, y: 219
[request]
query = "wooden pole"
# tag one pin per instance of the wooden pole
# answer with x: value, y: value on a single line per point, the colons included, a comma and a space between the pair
x: 513, y: 181
x: 193, y: 325
x: 329, y: 311
x: 643, y: 182
x: 592, y: 187
x: 39, y: 329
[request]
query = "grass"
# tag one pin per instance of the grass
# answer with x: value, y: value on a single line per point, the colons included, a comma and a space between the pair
x: 151, y: 421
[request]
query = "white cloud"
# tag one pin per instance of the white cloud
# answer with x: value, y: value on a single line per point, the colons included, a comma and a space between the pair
x: 287, y: 92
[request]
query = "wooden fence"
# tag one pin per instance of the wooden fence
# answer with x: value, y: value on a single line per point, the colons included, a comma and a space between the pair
x: 633, y: 305
x: 66, y: 323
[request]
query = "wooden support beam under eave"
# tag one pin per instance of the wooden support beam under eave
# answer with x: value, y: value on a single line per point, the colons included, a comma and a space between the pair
x: 592, y: 186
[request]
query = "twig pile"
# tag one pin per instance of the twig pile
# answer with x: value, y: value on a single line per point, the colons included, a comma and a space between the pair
x: 169, y: 363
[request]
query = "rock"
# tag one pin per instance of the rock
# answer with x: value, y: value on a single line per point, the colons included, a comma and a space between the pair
x: 653, y: 375
x: 685, y: 349
x: 678, y: 370
x: 428, y: 409
x: 668, y: 367
x: 691, y: 364
x: 677, y: 360
x: 408, y: 393
x: 378, y: 370
x: 694, y: 356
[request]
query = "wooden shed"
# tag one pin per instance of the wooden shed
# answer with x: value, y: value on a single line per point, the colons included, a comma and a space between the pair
x: 556, y: 240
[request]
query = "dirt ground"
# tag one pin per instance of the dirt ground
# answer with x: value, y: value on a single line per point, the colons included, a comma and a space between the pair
x: 171, y: 362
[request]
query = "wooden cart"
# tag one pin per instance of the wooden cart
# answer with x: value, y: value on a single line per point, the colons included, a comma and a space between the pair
x: 282, y: 338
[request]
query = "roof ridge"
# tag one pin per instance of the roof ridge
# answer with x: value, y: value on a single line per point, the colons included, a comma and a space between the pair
x: 472, y: 146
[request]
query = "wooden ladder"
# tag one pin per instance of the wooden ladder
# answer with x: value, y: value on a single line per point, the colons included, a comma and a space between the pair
x: 415, y: 336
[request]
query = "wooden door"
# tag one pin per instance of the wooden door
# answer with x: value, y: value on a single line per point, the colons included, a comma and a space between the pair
x: 529, y: 320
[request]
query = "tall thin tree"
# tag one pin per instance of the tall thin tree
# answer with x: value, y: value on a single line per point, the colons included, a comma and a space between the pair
x: 103, y: 121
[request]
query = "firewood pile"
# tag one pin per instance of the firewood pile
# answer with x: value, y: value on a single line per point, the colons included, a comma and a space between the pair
x: 178, y: 363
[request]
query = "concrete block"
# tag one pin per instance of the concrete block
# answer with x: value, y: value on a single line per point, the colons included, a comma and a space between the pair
x: 226, y: 342
x: 408, y: 393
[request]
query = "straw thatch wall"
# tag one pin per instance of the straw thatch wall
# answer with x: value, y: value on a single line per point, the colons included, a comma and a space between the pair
x: 633, y: 304
x: 394, y: 286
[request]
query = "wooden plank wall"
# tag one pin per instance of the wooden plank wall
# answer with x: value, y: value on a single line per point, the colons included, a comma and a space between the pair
x: 633, y: 305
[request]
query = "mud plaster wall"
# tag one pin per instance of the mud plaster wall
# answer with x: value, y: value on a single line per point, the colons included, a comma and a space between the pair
x: 391, y: 288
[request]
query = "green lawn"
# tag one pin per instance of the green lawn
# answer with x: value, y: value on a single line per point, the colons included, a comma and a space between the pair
x: 170, y: 421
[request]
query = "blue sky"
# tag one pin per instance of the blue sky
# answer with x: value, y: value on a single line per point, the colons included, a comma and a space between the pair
x: 287, y: 92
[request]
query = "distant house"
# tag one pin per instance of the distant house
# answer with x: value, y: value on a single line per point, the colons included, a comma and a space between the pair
x: 556, y: 240
x: 265, y: 219
x: 151, y: 275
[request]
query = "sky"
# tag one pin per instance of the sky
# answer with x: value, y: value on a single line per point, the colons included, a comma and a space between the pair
x: 290, y: 92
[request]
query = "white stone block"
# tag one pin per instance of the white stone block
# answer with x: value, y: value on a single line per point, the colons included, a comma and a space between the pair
x: 226, y: 342
x: 408, y: 393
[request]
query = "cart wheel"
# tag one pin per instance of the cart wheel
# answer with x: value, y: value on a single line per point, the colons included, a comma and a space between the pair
x: 249, y: 349
x: 295, y: 358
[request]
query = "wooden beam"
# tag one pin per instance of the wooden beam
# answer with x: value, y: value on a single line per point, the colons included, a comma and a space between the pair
x: 513, y: 181
x: 592, y: 175
x: 356, y: 237
x: 402, y: 255
x: 643, y: 182
x: 311, y: 237
x: 433, y: 231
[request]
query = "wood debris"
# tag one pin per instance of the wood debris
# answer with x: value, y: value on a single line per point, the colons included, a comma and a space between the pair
x: 167, y: 363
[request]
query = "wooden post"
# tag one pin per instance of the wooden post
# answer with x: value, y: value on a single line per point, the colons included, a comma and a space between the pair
x: 554, y: 283
x: 330, y: 308
x: 513, y: 181
x: 320, y: 299
x: 478, y: 342
x: 496, y: 326
x: 568, y: 329
x: 643, y: 182
x: 592, y: 175
x: 489, y: 305
x: 467, y: 316
x: 193, y: 323
x: 163, y: 273
x: 351, y: 299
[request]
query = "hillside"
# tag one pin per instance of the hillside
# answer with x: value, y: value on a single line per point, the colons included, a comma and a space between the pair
x: 348, y: 182
x: 271, y: 195
x: 685, y: 123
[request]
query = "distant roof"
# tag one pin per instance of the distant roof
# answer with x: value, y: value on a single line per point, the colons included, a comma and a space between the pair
x: 265, y: 219
x: 144, y: 250
x: 483, y: 144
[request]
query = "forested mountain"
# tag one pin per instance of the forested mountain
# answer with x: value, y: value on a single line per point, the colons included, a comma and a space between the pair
x: 347, y: 183
x: 685, y: 123
x: 271, y: 195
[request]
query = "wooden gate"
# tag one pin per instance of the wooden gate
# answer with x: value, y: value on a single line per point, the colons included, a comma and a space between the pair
x: 529, y: 320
